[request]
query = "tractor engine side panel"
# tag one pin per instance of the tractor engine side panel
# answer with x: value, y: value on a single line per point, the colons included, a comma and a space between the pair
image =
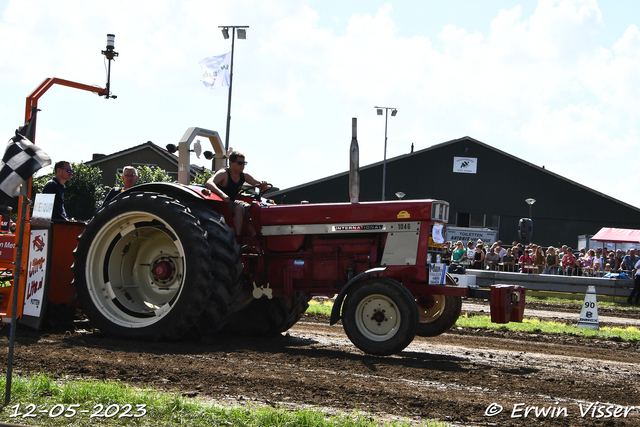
x: 320, y: 247
x: 321, y: 265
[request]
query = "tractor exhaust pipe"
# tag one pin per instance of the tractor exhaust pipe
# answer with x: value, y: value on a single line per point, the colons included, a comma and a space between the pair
x: 354, y: 163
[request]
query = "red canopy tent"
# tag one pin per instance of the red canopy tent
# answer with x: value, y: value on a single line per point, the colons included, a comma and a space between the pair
x: 617, y: 235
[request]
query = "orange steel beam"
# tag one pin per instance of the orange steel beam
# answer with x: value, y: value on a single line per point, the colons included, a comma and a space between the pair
x: 32, y: 99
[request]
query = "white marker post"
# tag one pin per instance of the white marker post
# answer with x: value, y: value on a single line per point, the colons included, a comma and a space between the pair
x: 589, y: 314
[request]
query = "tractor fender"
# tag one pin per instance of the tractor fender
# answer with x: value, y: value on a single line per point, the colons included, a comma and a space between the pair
x: 337, y: 305
x: 187, y: 194
x: 173, y: 189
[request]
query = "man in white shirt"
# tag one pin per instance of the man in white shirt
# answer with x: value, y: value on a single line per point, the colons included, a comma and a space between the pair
x: 500, y: 250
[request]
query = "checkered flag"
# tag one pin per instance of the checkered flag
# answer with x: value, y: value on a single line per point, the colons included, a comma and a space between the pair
x: 21, y: 160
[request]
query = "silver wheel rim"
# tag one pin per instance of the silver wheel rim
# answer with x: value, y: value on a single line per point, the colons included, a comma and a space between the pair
x: 377, y: 317
x: 135, y: 269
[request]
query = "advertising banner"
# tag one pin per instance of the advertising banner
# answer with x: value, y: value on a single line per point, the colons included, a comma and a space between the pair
x: 36, y: 273
x: 466, y: 234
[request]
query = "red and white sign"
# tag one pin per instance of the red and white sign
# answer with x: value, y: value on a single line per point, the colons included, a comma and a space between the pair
x: 36, y: 273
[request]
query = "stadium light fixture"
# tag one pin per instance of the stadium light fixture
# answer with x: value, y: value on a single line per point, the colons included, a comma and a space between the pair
x: 394, y: 111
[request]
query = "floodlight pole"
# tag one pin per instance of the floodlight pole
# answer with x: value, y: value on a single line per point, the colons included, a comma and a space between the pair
x: 226, y: 137
x: 384, y: 165
x: 225, y: 33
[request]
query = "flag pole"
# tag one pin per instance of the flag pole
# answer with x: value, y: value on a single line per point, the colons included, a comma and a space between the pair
x: 29, y: 133
x: 14, y: 303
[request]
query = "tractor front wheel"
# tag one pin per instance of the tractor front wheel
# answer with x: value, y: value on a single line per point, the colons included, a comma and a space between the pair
x: 380, y: 316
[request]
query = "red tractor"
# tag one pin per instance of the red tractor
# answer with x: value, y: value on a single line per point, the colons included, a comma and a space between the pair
x: 162, y: 260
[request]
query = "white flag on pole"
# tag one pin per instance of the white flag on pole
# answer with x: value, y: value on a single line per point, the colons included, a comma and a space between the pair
x: 216, y: 71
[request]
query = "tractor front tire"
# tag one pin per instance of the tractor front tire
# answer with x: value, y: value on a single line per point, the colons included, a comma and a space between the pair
x: 380, y: 316
x: 143, y: 268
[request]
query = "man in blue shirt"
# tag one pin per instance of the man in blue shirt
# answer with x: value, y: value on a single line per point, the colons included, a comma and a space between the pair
x: 629, y: 261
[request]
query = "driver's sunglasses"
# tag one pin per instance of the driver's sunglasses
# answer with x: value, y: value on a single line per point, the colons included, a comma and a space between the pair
x: 70, y: 170
x: 242, y: 163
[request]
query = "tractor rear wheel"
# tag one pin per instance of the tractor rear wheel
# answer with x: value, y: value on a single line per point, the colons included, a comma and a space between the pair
x: 438, y: 313
x: 143, y: 268
x: 265, y: 316
x: 380, y: 316
x: 224, y: 257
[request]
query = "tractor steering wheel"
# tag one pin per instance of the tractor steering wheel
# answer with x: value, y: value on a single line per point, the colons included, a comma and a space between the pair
x: 260, y: 192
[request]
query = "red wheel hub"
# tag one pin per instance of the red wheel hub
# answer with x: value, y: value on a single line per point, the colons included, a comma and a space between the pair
x: 163, y: 270
x: 378, y: 316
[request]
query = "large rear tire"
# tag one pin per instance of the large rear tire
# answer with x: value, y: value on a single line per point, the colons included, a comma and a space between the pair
x: 380, y: 316
x: 143, y: 268
x: 265, y: 316
x: 438, y: 313
x: 224, y: 256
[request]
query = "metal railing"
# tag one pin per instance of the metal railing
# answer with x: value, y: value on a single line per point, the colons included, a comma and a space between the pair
x: 557, y: 285
x: 576, y: 270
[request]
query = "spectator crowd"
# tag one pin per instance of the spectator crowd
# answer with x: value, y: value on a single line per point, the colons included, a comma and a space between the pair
x: 536, y: 259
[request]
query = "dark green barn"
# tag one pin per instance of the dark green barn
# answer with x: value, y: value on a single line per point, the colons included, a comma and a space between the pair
x: 485, y: 187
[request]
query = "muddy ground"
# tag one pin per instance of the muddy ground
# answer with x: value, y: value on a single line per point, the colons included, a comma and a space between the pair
x: 464, y: 377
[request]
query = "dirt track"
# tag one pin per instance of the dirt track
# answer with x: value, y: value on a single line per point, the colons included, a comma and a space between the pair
x: 461, y: 377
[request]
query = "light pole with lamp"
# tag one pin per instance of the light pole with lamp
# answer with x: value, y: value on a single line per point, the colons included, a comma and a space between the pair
x: 530, y: 202
x: 394, y: 111
x: 529, y: 222
x: 242, y: 34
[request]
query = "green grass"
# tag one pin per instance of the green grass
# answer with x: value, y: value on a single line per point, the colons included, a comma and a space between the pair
x: 150, y: 408
x: 630, y: 334
x: 578, y: 301
x: 322, y: 307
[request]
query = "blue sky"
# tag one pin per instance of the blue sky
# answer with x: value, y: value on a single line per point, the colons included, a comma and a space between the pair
x: 552, y: 82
